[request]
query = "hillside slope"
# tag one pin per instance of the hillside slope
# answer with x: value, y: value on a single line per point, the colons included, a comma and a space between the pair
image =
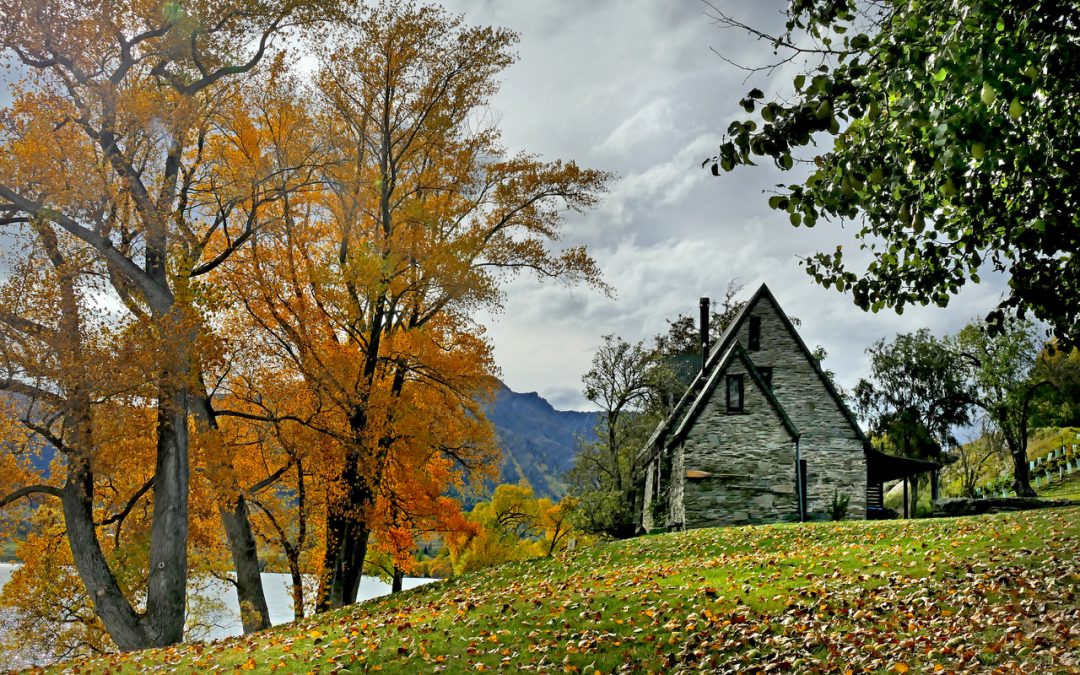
x: 976, y: 594
x: 538, y: 442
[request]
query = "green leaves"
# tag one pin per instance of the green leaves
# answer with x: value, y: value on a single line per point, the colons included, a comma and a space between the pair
x: 923, y: 100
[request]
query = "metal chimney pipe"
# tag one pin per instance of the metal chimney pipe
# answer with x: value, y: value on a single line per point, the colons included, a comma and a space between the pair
x: 703, y: 304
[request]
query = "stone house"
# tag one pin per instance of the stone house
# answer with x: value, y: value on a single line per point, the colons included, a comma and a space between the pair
x: 760, y: 435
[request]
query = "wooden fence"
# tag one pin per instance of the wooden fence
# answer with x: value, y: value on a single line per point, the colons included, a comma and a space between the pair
x: 1053, y: 466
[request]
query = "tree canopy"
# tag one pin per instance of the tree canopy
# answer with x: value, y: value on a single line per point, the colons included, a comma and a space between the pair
x: 947, y: 130
x: 1002, y: 369
x: 245, y: 304
x: 111, y: 163
x: 917, y: 394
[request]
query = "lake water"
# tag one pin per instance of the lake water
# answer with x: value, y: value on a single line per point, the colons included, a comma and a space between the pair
x: 279, y: 600
x: 223, y: 618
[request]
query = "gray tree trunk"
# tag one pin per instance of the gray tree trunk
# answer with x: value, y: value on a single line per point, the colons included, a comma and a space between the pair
x: 111, y: 605
x: 166, y: 591
x: 254, y: 613
x: 243, y: 548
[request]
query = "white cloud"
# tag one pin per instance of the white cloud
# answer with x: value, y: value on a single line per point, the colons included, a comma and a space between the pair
x: 652, y: 190
x: 655, y: 119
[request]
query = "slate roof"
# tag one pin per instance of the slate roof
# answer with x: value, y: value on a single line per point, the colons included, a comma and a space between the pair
x: 882, y: 467
x: 736, y: 351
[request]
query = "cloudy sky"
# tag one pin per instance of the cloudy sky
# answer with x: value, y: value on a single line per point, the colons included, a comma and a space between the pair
x: 633, y: 87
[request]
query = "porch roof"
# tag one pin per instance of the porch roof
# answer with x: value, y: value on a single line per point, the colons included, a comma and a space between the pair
x: 882, y: 467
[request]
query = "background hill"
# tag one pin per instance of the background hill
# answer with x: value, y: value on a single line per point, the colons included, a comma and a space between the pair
x: 538, y: 442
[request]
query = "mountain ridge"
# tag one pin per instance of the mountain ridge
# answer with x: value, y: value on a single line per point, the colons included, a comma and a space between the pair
x: 538, y: 441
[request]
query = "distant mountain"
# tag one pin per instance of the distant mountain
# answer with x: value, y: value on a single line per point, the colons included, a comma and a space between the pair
x: 538, y: 442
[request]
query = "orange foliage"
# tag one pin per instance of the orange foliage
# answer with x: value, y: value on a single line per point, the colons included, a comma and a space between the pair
x: 270, y: 288
x: 363, y: 284
x: 115, y: 172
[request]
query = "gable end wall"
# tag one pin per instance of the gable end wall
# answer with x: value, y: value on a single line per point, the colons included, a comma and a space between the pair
x: 834, y: 453
x: 751, y: 456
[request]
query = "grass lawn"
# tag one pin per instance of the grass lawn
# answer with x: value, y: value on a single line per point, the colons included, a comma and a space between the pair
x: 985, y: 594
x: 1068, y: 488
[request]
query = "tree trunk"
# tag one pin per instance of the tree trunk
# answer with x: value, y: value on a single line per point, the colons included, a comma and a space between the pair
x: 163, y: 622
x: 166, y: 591
x: 1021, y: 473
x: 353, y: 569
x: 343, y: 561
x: 292, y: 553
x: 244, y: 549
x: 397, y: 581
x: 347, y: 529
x: 112, y: 607
x: 970, y: 479
x: 631, y: 497
x: 1016, y: 440
x: 254, y: 613
x: 346, y: 539
x: 297, y: 583
x: 613, y: 452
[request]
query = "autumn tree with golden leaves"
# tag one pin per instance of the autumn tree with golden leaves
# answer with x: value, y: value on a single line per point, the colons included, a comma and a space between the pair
x: 103, y: 164
x: 240, y: 303
x: 367, y: 291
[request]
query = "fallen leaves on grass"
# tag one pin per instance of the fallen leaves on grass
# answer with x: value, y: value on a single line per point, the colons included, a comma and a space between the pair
x: 985, y: 594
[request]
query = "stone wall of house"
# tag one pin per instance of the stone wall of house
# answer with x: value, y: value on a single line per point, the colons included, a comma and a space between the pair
x: 751, y: 458
x: 649, y: 496
x: 676, y: 485
x: 833, y: 451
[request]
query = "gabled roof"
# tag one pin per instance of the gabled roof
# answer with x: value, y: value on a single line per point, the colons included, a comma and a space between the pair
x: 723, y: 345
x: 736, y: 351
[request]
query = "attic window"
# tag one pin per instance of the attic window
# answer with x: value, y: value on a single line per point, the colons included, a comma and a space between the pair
x: 755, y: 333
x: 766, y: 375
x: 735, y: 393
